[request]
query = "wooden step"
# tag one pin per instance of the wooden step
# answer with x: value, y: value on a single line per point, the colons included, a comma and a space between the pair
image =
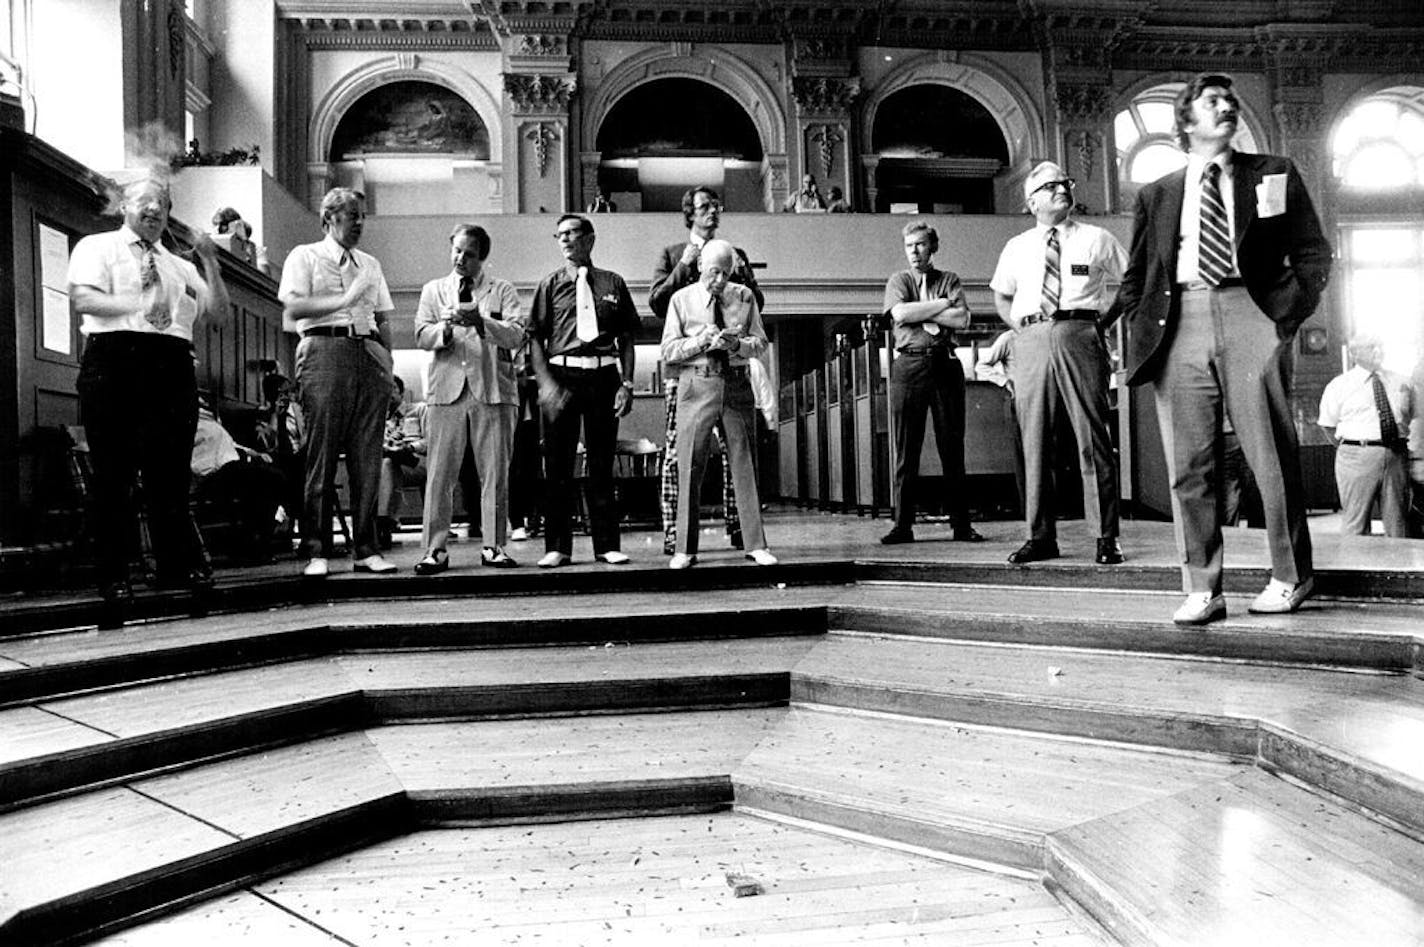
x: 978, y: 793
x: 1252, y: 860
x: 650, y: 881
x: 1355, y: 735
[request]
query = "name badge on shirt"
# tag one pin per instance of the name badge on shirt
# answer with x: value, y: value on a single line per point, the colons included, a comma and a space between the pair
x: 190, y: 292
x: 1079, y: 269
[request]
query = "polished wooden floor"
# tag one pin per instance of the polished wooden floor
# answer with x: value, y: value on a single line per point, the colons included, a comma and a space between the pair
x: 911, y: 744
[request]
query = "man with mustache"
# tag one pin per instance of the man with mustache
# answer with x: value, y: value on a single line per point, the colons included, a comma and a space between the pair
x: 138, y: 397
x: 1227, y: 260
x: 337, y: 300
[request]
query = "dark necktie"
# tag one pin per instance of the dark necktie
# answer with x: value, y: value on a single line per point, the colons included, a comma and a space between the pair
x: 1214, y: 244
x: 1389, y: 428
x: 1052, y: 275
x: 467, y: 290
x: 717, y: 357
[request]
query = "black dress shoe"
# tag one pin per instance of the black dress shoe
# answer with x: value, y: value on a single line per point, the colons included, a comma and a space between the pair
x: 735, y: 539
x: 900, y: 534
x: 1109, y: 552
x: 967, y: 534
x: 1034, y: 551
x: 432, y: 564
x: 117, y: 594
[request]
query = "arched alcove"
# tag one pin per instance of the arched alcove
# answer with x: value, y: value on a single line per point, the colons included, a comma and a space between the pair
x: 423, y: 160
x: 707, y: 68
x: 657, y: 152
x: 939, y: 150
x: 1008, y: 105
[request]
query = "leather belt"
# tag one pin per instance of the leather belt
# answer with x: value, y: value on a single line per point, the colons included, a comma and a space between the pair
x: 708, y: 370
x: 338, y: 332
x: 923, y: 350
x: 1389, y: 444
x: 1062, y: 315
x: 583, y: 361
x: 1197, y: 286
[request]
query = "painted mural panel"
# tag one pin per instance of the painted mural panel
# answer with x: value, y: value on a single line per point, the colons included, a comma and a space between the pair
x: 410, y: 117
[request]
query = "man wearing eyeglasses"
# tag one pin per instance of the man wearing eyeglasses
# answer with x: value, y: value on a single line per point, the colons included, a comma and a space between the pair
x: 1052, y: 288
x: 581, y: 334
x: 1227, y: 260
x: 677, y: 267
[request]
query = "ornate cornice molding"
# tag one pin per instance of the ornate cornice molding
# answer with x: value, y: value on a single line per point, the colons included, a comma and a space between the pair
x: 1300, y: 119
x: 825, y: 94
x: 1079, y: 101
x: 536, y: 94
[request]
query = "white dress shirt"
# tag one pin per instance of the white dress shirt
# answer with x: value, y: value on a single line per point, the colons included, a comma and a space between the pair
x: 1090, y: 261
x: 316, y: 269
x: 1188, y: 252
x: 111, y: 262
x: 1348, y: 404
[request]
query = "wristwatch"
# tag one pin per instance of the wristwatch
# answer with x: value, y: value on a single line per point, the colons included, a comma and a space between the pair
x: 628, y: 383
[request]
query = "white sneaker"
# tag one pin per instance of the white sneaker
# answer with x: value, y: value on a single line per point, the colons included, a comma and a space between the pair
x: 317, y: 568
x: 613, y: 557
x: 762, y: 557
x: 377, y: 563
x: 1279, y: 597
x: 682, y: 561
x: 1201, y: 608
x: 552, y: 560
x: 518, y: 534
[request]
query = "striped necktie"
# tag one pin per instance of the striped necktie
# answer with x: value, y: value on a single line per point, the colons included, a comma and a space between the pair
x: 1052, y: 275
x: 1389, y: 428
x: 1214, y: 244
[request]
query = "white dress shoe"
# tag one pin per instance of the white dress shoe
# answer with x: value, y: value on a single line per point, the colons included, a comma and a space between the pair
x: 518, y: 534
x: 316, y: 568
x: 1201, y: 608
x: 762, y: 557
x: 552, y: 560
x: 1279, y: 597
x: 613, y: 557
x: 682, y: 561
x: 377, y: 564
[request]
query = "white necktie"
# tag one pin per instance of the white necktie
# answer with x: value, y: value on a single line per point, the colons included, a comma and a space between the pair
x: 350, y: 270
x: 929, y: 327
x: 587, y: 314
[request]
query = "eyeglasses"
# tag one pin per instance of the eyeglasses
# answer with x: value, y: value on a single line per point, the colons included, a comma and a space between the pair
x: 710, y: 205
x: 1066, y: 183
x: 569, y: 233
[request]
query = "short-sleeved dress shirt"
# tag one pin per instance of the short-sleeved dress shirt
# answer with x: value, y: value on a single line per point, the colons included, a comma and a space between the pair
x: 1090, y: 259
x: 111, y: 262
x: 314, y: 269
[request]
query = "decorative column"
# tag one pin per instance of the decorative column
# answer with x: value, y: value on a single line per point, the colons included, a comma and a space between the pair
x: 539, y: 85
x: 589, y: 163
x: 1077, y: 61
x: 824, y: 92
x: 1296, y: 57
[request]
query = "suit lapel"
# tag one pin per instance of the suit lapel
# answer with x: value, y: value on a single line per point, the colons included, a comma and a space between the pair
x: 1245, y: 175
x: 1169, y: 220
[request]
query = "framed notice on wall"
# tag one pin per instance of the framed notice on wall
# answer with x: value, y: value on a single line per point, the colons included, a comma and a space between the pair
x: 55, y: 326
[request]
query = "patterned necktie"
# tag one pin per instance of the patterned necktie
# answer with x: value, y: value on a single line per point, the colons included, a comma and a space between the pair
x: 1214, y: 244
x: 1389, y: 428
x: 1052, y: 275
x: 929, y: 327
x: 717, y: 357
x: 157, y: 314
x: 587, y: 326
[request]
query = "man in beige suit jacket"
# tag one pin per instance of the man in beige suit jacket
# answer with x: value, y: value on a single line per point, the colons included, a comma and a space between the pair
x: 472, y: 323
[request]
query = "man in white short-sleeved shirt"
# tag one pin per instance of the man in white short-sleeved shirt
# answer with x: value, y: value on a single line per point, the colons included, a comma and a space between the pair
x: 137, y: 304
x: 337, y: 300
x: 1051, y: 288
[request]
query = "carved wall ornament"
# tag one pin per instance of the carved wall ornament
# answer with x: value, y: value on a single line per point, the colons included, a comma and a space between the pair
x: 826, y: 138
x: 1299, y: 119
x: 533, y: 93
x: 825, y: 93
x: 407, y: 62
x: 543, y: 135
x: 1085, y: 146
x: 175, y: 38
x: 1082, y: 102
x: 542, y: 44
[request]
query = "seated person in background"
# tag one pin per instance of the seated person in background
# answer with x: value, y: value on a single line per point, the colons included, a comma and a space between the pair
x: 280, y: 435
x: 838, y: 204
x: 224, y: 470
x: 601, y: 204
x: 402, y: 460
x: 234, y: 234
x: 806, y: 200
x: 713, y: 329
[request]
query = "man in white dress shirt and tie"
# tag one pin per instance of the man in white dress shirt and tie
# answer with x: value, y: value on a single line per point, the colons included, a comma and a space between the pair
x: 472, y: 324
x: 1367, y: 410
x: 1051, y: 288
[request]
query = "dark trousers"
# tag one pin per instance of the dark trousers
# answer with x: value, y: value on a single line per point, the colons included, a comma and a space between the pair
x: 589, y: 406
x: 524, y: 468
x: 931, y: 383
x: 138, y: 402
x: 346, y: 389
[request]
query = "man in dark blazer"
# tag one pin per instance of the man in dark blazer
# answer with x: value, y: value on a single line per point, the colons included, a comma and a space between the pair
x: 1227, y: 260
x: 677, y: 267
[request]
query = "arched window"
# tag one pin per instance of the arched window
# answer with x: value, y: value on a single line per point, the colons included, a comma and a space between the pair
x: 1146, y: 138
x: 1377, y: 156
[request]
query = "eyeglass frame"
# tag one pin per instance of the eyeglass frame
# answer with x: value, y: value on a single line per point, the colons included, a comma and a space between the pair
x: 710, y: 205
x: 572, y: 232
x: 1066, y: 183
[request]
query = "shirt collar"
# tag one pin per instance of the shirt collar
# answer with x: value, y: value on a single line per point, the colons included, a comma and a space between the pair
x: 476, y: 284
x: 696, y: 239
x: 130, y: 237
x: 1063, y: 227
x: 335, y: 250
x: 1196, y: 164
